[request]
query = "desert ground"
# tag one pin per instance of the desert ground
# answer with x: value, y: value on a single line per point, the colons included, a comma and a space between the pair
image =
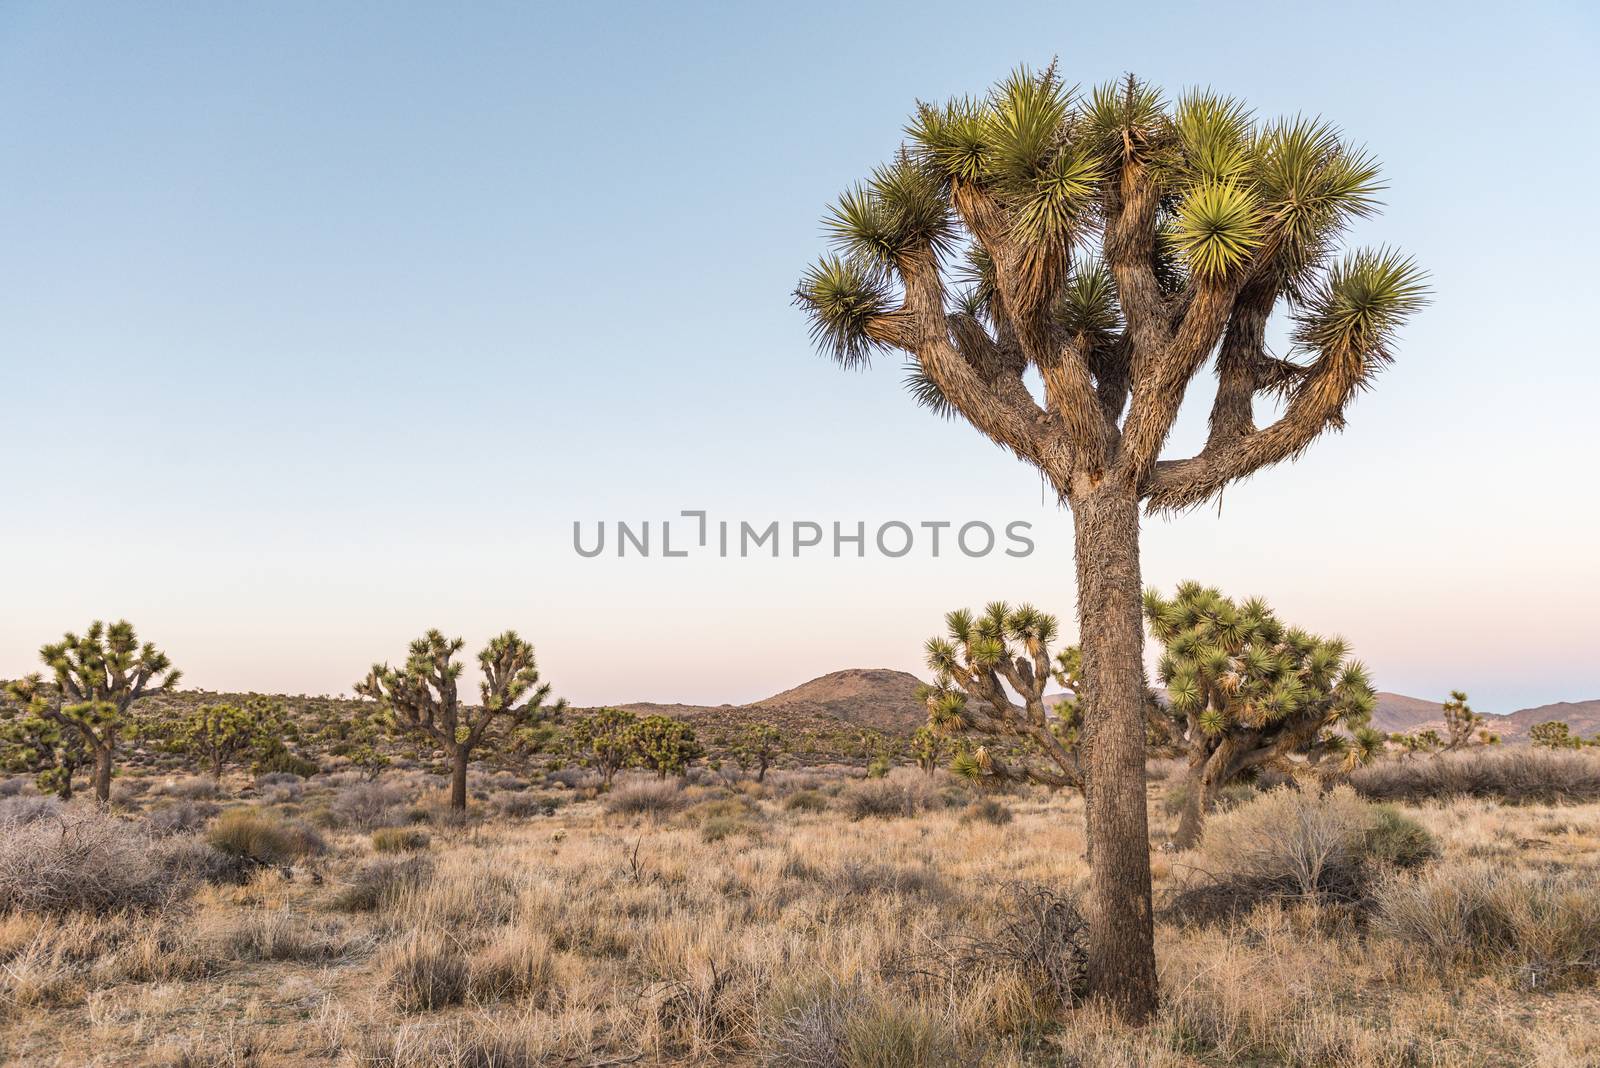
x: 817, y: 918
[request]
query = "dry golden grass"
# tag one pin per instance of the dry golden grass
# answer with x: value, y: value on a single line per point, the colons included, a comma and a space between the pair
x: 734, y: 926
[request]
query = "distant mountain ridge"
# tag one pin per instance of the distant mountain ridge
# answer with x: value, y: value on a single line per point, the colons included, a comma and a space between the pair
x: 1399, y: 713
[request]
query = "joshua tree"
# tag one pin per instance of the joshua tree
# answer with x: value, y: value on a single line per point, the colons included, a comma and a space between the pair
x: 1115, y: 245
x: 420, y: 698
x: 37, y: 742
x: 929, y: 748
x: 216, y: 734
x: 603, y: 740
x: 99, y: 676
x: 1462, y: 726
x: 758, y: 746
x: 1413, y: 742
x: 1554, y: 734
x: 1247, y: 691
x: 665, y: 745
x: 972, y: 667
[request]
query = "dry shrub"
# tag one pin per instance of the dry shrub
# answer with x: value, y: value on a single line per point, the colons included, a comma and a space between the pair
x: 425, y: 973
x: 400, y: 840
x: 988, y: 810
x: 191, y: 788
x: 525, y: 803
x: 27, y: 808
x: 805, y: 801
x: 864, y: 878
x: 1541, y: 927
x: 646, y: 797
x: 233, y: 1048
x: 180, y: 817
x: 518, y: 965
x: 829, y: 1024
x: 878, y: 799
x: 79, y: 860
x: 379, y: 884
x: 1040, y: 942
x: 257, y: 838
x: 724, y: 817
x: 16, y: 784
x: 1291, y: 845
x: 1515, y: 775
x: 701, y: 1011
x: 275, y: 935
x: 369, y: 806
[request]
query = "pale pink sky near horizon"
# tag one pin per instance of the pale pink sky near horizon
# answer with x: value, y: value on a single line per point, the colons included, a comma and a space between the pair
x: 322, y: 327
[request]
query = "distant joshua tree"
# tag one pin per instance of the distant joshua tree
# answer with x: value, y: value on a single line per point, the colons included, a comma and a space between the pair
x: 1247, y: 692
x: 1115, y: 246
x: 37, y: 742
x: 1554, y: 734
x: 215, y: 734
x: 1462, y: 726
x: 973, y: 665
x: 930, y: 749
x: 99, y: 677
x: 603, y: 740
x: 420, y: 698
x: 757, y: 747
x: 664, y: 745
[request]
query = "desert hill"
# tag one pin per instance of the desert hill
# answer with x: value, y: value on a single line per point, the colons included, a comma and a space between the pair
x: 1396, y: 712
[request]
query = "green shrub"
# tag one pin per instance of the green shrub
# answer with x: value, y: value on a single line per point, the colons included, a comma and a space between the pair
x: 399, y: 839
x: 1396, y: 839
x: 254, y: 836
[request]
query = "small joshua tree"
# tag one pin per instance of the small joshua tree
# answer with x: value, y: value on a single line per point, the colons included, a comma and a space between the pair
x: 929, y: 748
x: 1554, y: 734
x: 1462, y: 726
x: 1413, y: 742
x: 36, y: 742
x: 603, y: 740
x: 665, y: 745
x: 1247, y: 691
x: 972, y: 667
x: 216, y: 734
x: 99, y: 676
x: 758, y: 746
x: 420, y: 698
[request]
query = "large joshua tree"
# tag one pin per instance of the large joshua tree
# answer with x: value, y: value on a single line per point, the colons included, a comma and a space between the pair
x: 1248, y: 692
x: 421, y: 698
x: 1114, y: 244
x: 99, y: 675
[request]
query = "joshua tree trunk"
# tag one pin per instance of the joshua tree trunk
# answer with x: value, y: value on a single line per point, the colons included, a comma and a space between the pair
x: 458, y: 779
x: 1122, y: 967
x: 102, y: 774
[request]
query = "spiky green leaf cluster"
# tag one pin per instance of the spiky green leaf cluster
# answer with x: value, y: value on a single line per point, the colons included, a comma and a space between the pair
x: 1355, y: 308
x: 1233, y: 666
x: 843, y: 297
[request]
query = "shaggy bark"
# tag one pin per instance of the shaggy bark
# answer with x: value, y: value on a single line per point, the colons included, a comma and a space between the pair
x: 458, y: 780
x: 102, y: 774
x: 1122, y: 965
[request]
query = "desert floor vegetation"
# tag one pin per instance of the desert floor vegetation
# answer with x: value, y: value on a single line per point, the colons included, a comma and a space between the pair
x: 814, y: 919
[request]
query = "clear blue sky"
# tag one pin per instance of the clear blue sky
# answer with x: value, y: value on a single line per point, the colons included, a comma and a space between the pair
x: 321, y: 323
